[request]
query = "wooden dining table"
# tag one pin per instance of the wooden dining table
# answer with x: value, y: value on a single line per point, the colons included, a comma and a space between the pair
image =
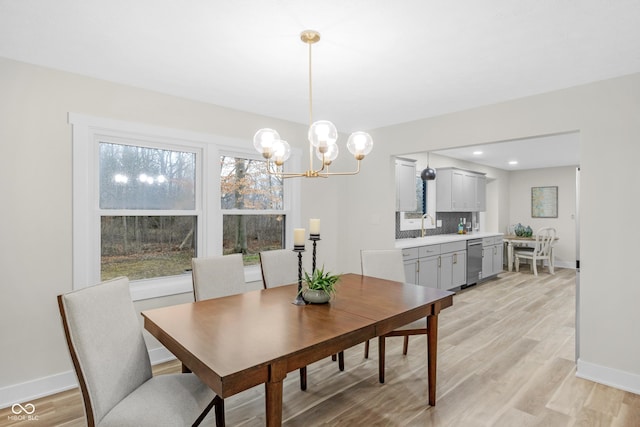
x: 240, y: 341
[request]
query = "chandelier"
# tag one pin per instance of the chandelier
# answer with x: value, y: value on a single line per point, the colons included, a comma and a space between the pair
x: 322, y: 139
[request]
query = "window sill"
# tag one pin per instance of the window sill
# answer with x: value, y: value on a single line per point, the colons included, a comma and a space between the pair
x: 252, y: 274
x: 158, y: 288
x: 174, y: 285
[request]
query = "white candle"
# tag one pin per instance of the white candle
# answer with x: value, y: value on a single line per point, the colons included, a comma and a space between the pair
x: 314, y: 226
x: 298, y: 236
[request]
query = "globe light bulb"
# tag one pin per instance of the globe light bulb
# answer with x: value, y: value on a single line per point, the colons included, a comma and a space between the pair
x: 360, y: 144
x: 322, y: 134
x: 263, y: 141
x: 281, y: 152
x: 330, y: 155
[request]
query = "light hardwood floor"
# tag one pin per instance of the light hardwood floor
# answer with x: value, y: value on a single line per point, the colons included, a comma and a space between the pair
x: 506, y: 358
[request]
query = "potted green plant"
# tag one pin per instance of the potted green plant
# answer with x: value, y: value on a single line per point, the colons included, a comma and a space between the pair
x: 320, y: 286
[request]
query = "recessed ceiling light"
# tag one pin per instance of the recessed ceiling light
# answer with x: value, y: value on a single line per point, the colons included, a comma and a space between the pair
x: 513, y: 162
x: 477, y: 153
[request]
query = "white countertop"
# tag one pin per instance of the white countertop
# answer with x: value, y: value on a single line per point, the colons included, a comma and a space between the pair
x: 441, y: 238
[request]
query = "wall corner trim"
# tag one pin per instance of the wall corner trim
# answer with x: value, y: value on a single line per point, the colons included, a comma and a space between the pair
x: 622, y: 380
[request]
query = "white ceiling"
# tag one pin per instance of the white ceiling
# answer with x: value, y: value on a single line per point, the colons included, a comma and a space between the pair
x: 380, y: 62
x: 529, y: 153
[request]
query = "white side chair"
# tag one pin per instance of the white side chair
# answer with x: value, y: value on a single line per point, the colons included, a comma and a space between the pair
x: 112, y: 364
x: 387, y: 264
x: 384, y: 264
x: 543, y: 250
x: 217, y: 276
x: 279, y: 267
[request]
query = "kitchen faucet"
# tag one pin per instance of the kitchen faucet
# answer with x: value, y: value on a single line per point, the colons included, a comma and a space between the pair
x: 422, y: 223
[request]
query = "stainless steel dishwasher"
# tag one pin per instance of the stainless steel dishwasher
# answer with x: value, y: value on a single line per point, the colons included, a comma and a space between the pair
x: 474, y: 261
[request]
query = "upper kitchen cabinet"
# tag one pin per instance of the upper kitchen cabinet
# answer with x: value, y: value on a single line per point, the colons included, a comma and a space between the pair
x: 459, y: 190
x: 406, y: 185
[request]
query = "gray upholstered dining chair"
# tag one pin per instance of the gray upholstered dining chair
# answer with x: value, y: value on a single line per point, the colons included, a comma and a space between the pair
x: 387, y: 264
x: 543, y: 250
x: 217, y: 276
x: 112, y: 365
x: 279, y: 267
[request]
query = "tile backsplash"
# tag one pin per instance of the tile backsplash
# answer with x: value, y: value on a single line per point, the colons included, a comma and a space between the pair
x: 449, y: 220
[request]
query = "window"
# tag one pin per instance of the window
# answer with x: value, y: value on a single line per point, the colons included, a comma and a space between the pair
x: 134, y: 180
x: 426, y: 202
x: 252, y: 203
x: 147, y: 200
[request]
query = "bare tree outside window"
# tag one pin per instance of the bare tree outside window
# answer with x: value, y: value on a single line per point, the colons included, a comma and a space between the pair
x: 253, y: 208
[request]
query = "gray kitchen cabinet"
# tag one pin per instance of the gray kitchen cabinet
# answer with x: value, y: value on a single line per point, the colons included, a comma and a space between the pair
x: 406, y: 200
x: 437, y: 266
x: 492, y: 256
x: 421, y: 265
x: 410, y: 260
x: 458, y: 190
x: 453, y: 265
x: 429, y: 271
x: 481, y: 193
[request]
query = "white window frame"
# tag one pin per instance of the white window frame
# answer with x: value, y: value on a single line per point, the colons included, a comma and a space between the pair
x: 291, y: 208
x: 89, y: 131
x: 416, y: 224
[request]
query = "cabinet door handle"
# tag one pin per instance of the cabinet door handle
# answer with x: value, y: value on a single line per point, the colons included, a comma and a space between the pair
x: 495, y: 250
x: 439, y: 261
x: 455, y: 258
x: 482, y: 253
x: 418, y: 266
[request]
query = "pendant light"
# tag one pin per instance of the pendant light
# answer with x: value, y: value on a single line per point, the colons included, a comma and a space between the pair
x: 428, y: 174
x: 322, y: 137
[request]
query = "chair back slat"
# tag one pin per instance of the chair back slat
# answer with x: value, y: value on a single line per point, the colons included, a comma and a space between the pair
x: 544, y: 240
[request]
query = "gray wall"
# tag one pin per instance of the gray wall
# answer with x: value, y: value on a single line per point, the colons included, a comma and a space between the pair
x: 606, y: 115
x: 357, y: 212
x: 564, y: 178
x: 36, y: 192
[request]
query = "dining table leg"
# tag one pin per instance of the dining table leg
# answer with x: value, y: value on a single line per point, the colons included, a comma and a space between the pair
x: 273, y: 394
x: 432, y: 352
x: 510, y: 256
x: 381, y: 358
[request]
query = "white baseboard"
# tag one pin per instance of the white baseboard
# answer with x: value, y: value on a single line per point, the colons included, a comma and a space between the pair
x: 35, y: 389
x: 608, y: 376
x: 45, y: 386
x: 565, y: 264
x: 559, y: 264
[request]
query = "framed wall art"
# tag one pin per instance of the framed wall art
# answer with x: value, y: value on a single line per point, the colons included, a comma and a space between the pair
x: 544, y: 202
